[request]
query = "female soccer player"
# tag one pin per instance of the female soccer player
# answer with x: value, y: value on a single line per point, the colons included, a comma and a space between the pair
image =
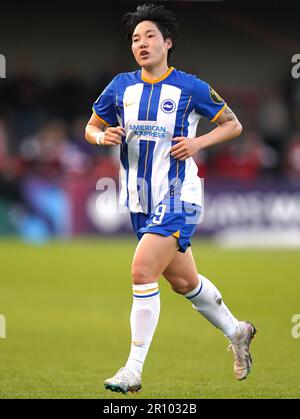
x: 153, y: 114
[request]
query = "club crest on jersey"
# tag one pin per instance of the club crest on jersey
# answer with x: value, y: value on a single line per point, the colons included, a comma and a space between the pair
x: 215, y: 97
x: 168, y: 106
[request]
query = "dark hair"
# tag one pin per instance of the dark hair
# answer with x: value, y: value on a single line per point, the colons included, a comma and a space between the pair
x: 163, y: 18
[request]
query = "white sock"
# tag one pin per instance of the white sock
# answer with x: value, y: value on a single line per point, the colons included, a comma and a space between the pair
x: 143, y: 321
x: 207, y: 300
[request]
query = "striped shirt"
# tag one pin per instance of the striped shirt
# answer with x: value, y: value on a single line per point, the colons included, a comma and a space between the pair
x: 152, y: 113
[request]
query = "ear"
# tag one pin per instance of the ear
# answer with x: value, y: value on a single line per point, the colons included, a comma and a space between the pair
x: 169, y: 43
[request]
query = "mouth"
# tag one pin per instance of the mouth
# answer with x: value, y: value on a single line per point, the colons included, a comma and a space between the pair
x: 144, y: 54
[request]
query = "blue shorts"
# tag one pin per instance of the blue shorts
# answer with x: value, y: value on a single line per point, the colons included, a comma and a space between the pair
x: 166, y: 221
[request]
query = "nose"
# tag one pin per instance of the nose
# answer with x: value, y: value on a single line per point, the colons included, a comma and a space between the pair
x: 143, y: 43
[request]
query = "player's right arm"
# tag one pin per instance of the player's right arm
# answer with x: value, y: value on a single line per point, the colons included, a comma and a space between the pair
x: 96, y: 132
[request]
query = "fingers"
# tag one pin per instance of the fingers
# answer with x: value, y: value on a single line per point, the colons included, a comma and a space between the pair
x: 180, y: 150
x: 113, y: 136
x: 110, y: 142
x: 119, y: 130
x: 180, y: 155
x: 178, y: 145
x: 178, y: 139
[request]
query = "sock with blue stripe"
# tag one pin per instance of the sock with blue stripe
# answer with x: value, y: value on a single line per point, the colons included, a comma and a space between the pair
x: 207, y: 300
x: 143, y: 321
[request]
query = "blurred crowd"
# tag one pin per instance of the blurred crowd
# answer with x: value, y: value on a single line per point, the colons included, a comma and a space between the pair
x: 43, y: 150
x: 42, y: 132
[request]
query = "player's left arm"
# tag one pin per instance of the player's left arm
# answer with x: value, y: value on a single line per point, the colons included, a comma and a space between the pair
x: 228, y: 128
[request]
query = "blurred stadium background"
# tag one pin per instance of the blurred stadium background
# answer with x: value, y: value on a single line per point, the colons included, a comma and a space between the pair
x: 58, y: 62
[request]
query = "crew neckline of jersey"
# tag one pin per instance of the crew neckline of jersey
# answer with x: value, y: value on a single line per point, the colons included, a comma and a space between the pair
x: 164, y: 76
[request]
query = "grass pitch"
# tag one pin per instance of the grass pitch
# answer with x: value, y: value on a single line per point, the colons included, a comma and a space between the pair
x: 67, y: 307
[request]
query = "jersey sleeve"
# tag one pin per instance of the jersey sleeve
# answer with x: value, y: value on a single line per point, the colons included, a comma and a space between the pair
x: 207, y: 102
x: 104, y: 106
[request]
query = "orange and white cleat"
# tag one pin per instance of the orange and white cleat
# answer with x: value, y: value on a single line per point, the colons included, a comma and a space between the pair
x: 239, y: 346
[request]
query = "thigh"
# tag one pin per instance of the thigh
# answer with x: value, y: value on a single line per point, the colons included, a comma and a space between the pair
x: 182, y: 273
x: 153, y: 254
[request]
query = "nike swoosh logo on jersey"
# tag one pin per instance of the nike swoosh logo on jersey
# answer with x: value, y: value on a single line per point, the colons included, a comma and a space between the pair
x: 128, y: 104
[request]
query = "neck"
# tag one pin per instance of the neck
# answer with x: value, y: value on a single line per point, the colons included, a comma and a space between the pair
x: 154, y: 73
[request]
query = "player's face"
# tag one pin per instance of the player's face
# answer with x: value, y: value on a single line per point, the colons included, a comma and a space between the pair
x: 148, y: 45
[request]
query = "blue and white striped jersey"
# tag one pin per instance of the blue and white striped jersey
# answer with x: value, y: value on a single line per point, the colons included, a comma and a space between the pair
x: 152, y: 113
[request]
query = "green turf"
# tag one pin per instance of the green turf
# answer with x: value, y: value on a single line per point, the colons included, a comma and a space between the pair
x: 67, y: 308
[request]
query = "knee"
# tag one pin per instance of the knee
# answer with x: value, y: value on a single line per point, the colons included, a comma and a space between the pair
x: 183, y: 289
x: 141, y: 274
x: 180, y: 285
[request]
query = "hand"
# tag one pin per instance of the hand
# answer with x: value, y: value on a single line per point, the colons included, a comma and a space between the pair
x: 185, y: 148
x: 113, y: 136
